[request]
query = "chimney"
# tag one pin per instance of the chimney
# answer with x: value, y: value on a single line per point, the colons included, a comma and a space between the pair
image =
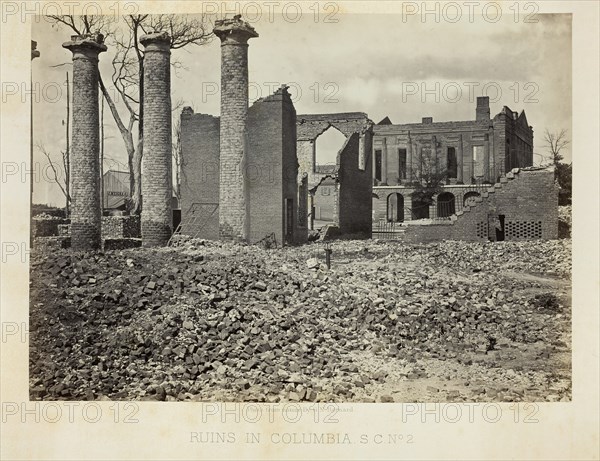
x: 482, y: 112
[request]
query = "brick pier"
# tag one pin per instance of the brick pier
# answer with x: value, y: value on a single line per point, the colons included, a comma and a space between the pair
x: 157, y: 214
x: 85, y: 145
x: 234, y: 34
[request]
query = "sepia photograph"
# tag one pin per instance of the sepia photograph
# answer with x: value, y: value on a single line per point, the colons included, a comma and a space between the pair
x: 278, y: 220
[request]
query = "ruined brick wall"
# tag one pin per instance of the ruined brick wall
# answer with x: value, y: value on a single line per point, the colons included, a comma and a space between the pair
x: 324, y: 200
x: 382, y: 194
x: 199, y: 174
x: 116, y: 227
x: 354, y: 205
x: 471, y: 226
x: 305, y: 150
x: 529, y: 203
x: 515, y: 138
x: 271, y: 167
x: 290, y: 169
x: 47, y: 226
x: 497, y: 141
x: 528, y: 200
x: 85, y: 145
x: 302, y: 212
x: 264, y: 172
x: 420, y: 139
x: 310, y: 126
x: 157, y: 187
x: 234, y: 34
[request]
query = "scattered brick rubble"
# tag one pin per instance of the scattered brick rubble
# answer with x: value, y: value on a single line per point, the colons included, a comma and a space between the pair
x: 220, y: 321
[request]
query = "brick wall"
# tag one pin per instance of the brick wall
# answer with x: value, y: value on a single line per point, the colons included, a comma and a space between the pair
x: 350, y: 197
x: 116, y: 227
x: 157, y: 188
x: 527, y: 199
x: 324, y: 200
x: 271, y: 167
x: 470, y: 226
x: 528, y: 202
x: 291, y: 168
x: 200, y: 174
x: 355, y: 188
x: 47, y: 227
x: 310, y: 126
x: 85, y: 145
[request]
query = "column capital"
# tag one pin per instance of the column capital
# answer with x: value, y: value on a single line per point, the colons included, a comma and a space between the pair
x: 234, y: 31
x: 157, y: 41
x: 85, y: 46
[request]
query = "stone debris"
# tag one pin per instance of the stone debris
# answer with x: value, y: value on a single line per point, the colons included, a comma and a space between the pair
x: 236, y: 322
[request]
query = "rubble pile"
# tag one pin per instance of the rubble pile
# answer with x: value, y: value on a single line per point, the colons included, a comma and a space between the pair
x: 565, y: 214
x: 211, y: 320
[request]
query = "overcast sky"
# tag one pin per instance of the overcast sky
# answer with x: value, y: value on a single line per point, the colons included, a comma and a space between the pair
x: 370, y: 63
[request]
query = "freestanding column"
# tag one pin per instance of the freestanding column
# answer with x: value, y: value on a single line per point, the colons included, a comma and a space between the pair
x: 234, y: 34
x: 157, y: 188
x: 86, y: 215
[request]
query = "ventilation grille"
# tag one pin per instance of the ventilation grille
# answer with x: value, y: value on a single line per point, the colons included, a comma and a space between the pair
x: 523, y: 230
x: 482, y: 230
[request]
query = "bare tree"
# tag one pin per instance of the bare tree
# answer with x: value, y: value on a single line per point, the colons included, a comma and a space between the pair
x: 60, y: 174
x: 177, y: 159
x: 430, y: 175
x: 555, y: 143
x: 128, y: 70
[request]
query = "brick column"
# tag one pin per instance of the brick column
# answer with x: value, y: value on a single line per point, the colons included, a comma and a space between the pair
x: 86, y: 214
x: 157, y: 188
x: 234, y: 34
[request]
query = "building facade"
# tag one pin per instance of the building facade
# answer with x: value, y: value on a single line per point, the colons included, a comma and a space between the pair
x: 470, y: 155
